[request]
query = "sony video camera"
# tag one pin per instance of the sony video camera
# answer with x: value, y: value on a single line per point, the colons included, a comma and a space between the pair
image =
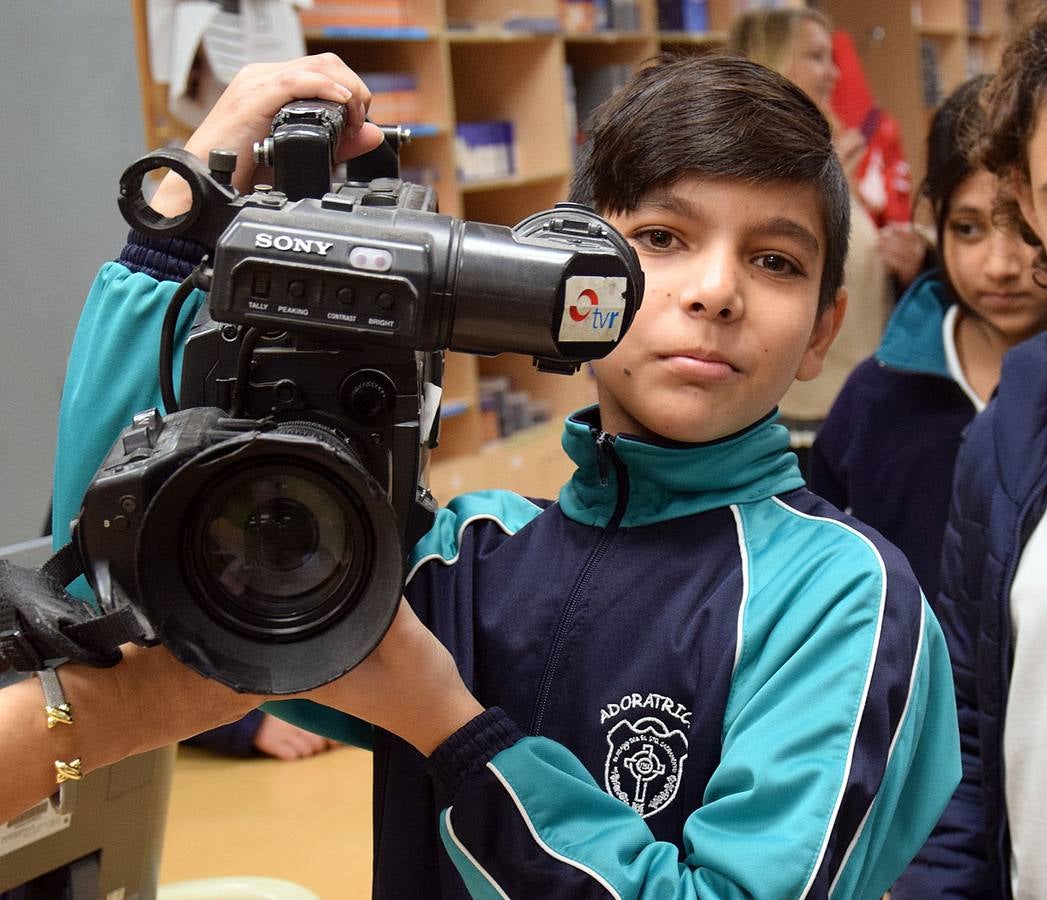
x: 259, y: 528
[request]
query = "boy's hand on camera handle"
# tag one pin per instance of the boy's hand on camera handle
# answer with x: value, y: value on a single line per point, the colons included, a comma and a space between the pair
x: 244, y: 115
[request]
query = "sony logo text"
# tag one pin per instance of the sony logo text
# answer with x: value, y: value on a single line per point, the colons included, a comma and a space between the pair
x: 295, y: 244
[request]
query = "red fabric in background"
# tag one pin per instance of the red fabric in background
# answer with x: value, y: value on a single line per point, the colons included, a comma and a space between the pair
x: 884, y: 177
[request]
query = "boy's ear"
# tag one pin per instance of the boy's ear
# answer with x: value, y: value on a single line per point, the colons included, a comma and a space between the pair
x: 1023, y: 194
x: 826, y: 327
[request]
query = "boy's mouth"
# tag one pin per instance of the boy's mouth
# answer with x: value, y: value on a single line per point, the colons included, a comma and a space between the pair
x: 704, y: 366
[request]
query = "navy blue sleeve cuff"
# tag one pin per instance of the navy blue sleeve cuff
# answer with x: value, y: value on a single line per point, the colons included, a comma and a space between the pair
x: 469, y: 750
x: 165, y: 259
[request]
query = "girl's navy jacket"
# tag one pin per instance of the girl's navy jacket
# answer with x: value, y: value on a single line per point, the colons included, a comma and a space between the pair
x: 701, y: 679
x: 1000, y: 496
x: 886, y: 451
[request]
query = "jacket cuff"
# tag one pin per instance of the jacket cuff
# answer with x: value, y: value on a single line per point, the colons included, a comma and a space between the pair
x: 469, y: 750
x: 165, y: 259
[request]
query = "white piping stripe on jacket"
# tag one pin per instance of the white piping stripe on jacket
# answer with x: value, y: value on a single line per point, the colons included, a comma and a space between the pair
x: 530, y: 827
x: 894, y: 742
x: 458, y: 542
x: 743, y: 552
x: 469, y: 856
x: 865, y: 688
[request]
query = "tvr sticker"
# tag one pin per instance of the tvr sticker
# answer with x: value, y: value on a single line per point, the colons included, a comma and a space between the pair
x: 594, y: 306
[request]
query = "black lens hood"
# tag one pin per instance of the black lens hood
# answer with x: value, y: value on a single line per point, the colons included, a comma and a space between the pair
x: 185, y: 622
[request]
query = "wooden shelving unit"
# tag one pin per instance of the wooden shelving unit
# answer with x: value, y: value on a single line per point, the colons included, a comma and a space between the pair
x: 904, y: 44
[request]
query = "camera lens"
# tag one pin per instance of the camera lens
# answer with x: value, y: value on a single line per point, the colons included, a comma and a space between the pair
x: 277, y: 536
x: 288, y: 565
x: 277, y: 549
x: 282, y: 537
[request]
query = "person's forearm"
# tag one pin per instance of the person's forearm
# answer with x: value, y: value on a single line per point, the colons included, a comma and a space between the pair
x: 147, y: 701
x: 409, y: 685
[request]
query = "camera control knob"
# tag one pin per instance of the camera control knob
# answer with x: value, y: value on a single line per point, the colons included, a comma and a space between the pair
x: 263, y: 152
x: 222, y: 164
x: 368, y: 396
x: 145, y: 428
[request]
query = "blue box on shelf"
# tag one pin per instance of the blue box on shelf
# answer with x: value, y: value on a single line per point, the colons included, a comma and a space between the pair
x: 484, y: 150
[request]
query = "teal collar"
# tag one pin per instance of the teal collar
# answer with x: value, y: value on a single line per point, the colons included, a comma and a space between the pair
x: 912, y: 341
x: 669, y: 480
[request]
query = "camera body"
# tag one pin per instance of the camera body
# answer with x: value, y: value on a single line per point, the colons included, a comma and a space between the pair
x: 260, y: 531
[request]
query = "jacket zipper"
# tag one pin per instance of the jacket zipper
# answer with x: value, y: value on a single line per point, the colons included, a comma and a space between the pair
x: 605, y: 457
x: 1020, y: 540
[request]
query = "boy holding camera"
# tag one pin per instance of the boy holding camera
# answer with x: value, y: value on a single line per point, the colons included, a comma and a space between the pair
x: 687, y: 676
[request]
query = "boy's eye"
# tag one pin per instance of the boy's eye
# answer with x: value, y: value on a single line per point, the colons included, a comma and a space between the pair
x: 778, y: 264
x: 656, y: 238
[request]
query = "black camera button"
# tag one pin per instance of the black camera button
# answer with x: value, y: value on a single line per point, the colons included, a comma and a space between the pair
x: 345, y: 296
x: 297, y: 289
x: 385, y: 300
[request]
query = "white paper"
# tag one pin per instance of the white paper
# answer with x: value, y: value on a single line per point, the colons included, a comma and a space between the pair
x: 262, y: 31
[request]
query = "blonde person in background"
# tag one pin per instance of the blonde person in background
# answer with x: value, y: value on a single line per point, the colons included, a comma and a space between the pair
x: 798, y: 44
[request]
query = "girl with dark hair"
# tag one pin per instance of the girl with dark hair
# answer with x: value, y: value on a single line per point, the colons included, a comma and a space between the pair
x: 887, y: 449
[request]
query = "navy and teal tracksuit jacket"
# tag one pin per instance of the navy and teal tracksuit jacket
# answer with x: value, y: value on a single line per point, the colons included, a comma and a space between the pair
x: 701, y: 679
x: 886, y: 451
x: 999, y: 498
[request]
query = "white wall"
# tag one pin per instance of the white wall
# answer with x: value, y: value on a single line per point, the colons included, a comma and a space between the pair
x: 70, y: 122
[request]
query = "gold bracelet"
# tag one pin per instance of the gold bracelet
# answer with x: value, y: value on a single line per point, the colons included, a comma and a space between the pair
x: 59, y: 712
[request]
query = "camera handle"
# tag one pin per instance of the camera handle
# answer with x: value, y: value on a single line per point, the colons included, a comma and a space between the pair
x: 213, y: 206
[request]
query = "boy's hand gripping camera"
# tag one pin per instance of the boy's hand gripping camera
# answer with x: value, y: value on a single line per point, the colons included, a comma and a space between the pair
x: 260, y: 532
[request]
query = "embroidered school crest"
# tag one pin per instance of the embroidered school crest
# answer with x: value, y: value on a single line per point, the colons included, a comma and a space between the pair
x: 645, y: 756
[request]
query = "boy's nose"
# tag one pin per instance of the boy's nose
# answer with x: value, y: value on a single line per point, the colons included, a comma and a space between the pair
x: 712, y: 290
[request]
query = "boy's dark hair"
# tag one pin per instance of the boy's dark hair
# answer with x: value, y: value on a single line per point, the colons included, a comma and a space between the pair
x: 1014, y: 97
x: 955, y: 129
x: 715, y: 117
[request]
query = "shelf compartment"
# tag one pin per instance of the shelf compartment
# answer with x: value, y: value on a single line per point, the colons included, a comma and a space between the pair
x: 605, y: 38
x: 933, y: 13
x: 592, y: 54
x: 508, y: 204
x: 493, y: 14
x: 425, y: 60
x: 523, y: 82
x: 531, y: 462
x: 402, y: 20
x: 694, y: 38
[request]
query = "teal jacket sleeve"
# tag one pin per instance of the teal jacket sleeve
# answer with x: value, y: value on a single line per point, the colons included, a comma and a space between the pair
x: 839, y: 752
x: 112, y: 373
